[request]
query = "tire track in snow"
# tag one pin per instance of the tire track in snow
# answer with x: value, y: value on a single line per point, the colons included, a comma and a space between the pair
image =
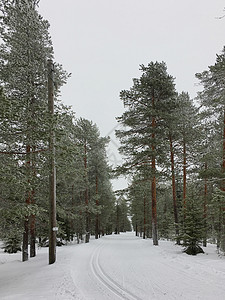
x: 106, y: 280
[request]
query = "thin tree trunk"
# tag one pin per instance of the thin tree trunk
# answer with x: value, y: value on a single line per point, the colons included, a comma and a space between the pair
x: 205, y: 210
x: 25, y: 240
x: 32, y: 230
x: 136, y: 229
x: 52, y: 169
x: 33, y: 217
x: 117, y: 231
x: 80, y: 219
x: 26, y: 221
x: 87, y: 236
x: 97, y: 204
x: 174, y: 188
x: 154, y: 211
x: 144, y: 233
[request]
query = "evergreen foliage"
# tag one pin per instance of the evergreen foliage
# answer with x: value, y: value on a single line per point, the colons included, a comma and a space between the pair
x: 12, y: 244
x: 85, y: 200
x: 193, y: 226
x: 170, y: 139
x: 143, y: 139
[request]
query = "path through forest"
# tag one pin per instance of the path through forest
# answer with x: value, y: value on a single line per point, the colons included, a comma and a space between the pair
x: 115, y: 267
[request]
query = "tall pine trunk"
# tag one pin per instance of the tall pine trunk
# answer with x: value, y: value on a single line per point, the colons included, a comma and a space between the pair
x: 174, y: 188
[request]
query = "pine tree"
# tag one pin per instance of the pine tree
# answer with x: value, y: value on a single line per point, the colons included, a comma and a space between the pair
x: 26, y: 47
x: 188, y: 137
x: 143, y: 140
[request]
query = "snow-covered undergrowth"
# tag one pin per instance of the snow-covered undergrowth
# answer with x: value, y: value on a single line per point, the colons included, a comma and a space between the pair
x: 114, y: 267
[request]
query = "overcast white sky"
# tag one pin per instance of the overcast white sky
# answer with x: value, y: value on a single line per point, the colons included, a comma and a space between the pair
x: 103, y: 42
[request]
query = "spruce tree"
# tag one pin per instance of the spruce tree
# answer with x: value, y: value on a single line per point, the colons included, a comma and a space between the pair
x: 192, y: 231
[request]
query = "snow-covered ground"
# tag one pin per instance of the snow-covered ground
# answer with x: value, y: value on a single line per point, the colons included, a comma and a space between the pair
x: 115, y: 267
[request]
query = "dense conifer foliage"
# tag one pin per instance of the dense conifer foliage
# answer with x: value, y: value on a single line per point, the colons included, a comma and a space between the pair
x: 85, y: 200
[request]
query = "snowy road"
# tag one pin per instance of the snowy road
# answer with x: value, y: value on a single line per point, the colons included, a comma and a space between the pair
x: 126, y: 267
x: 115, y: 267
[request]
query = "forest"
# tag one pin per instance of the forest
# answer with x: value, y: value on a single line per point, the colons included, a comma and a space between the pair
x: 173, y: 149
